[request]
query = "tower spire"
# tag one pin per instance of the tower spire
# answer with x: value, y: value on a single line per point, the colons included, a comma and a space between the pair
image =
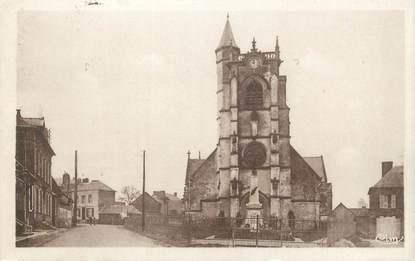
x: 227, y: 38
x: 277, y: 48
x: 253, y: 45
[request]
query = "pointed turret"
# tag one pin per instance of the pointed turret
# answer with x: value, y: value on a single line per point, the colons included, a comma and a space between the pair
x: 227, y: 38
x: 277, y: 49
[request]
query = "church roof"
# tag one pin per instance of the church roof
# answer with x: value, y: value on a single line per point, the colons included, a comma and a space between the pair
x: 301, y: 167
x: 192, y: 166
x: 227, y: 38
x: 195, y: 165
x: 317, y: 164
x: 206, y: 166
x: 392, y: 179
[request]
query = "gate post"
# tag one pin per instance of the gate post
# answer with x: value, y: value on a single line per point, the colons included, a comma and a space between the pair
x: 257, y: 229
x: 233, y: 237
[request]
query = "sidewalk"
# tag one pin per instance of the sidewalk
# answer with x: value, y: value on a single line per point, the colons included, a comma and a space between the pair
x: 38, y: 237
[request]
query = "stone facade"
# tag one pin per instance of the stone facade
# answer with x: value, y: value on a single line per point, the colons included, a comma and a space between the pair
x: 254, y: 170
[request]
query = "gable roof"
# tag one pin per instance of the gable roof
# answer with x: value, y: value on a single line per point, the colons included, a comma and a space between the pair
x: 317, y: 164
x: 341, y: 206
x: 392, y: 179
x: 139, y: 198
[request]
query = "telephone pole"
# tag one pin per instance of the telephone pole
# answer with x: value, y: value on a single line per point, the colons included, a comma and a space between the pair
x: 143, y: 222
x: 75, y: 197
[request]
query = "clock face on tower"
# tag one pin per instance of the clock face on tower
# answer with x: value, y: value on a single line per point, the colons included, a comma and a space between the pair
x: 253, y: 63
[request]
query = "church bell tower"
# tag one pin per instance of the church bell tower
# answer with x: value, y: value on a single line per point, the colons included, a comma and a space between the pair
x: 253, y: 150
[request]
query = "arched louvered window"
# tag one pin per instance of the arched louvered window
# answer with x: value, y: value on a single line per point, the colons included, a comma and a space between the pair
x: 253, y: 95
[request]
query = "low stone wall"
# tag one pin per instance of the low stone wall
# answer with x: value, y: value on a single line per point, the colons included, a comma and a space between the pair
x: 64, y: 218
x: 174, y: 234
x: 388, y: 227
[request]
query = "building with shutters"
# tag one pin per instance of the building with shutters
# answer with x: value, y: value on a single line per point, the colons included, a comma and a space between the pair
x: 35, y: 196
x: 386, y: 201
x: 92, y: 197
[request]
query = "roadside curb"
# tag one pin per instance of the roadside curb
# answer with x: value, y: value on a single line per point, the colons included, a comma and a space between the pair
x: 40, y: 239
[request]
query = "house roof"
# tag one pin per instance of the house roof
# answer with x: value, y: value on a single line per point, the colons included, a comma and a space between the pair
x: 139, y: 198
x: 357, y: 212
x: 169, y: 196
x: 317, y: 164
x: 227, y: 38
x: 392, y: 179
x: 118, y: 209
x: 93, y: 185
x: 39, y: 125
x: 340, y: 206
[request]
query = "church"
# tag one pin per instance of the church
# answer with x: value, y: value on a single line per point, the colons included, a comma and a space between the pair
x: 254, y: 171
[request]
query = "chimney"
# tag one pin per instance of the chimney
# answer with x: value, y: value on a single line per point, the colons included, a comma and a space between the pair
x: 18, y: 115
x: 175, y: 194
x: 65, y: 181
x: 386, y: 166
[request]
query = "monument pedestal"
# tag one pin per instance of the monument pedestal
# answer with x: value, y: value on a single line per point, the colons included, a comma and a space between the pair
x: 254, y: 215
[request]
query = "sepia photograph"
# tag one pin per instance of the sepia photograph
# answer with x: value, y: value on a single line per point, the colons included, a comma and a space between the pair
x: 210, y: 128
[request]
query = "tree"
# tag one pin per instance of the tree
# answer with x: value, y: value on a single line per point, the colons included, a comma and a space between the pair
x: 361, y: 203
x: 129, y: 194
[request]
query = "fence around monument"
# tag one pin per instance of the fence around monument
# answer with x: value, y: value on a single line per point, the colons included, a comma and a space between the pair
x: 232, y: 232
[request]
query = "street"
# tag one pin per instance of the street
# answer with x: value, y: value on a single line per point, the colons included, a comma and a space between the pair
x: 101, y: 236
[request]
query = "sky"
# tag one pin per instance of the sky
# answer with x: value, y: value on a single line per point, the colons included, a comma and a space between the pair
x: 112, y: 84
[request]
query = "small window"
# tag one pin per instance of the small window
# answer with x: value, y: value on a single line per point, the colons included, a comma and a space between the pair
x: 89, y: 198
x: 83, y: 199
x: 393, y: 201
x: 384, y: 201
